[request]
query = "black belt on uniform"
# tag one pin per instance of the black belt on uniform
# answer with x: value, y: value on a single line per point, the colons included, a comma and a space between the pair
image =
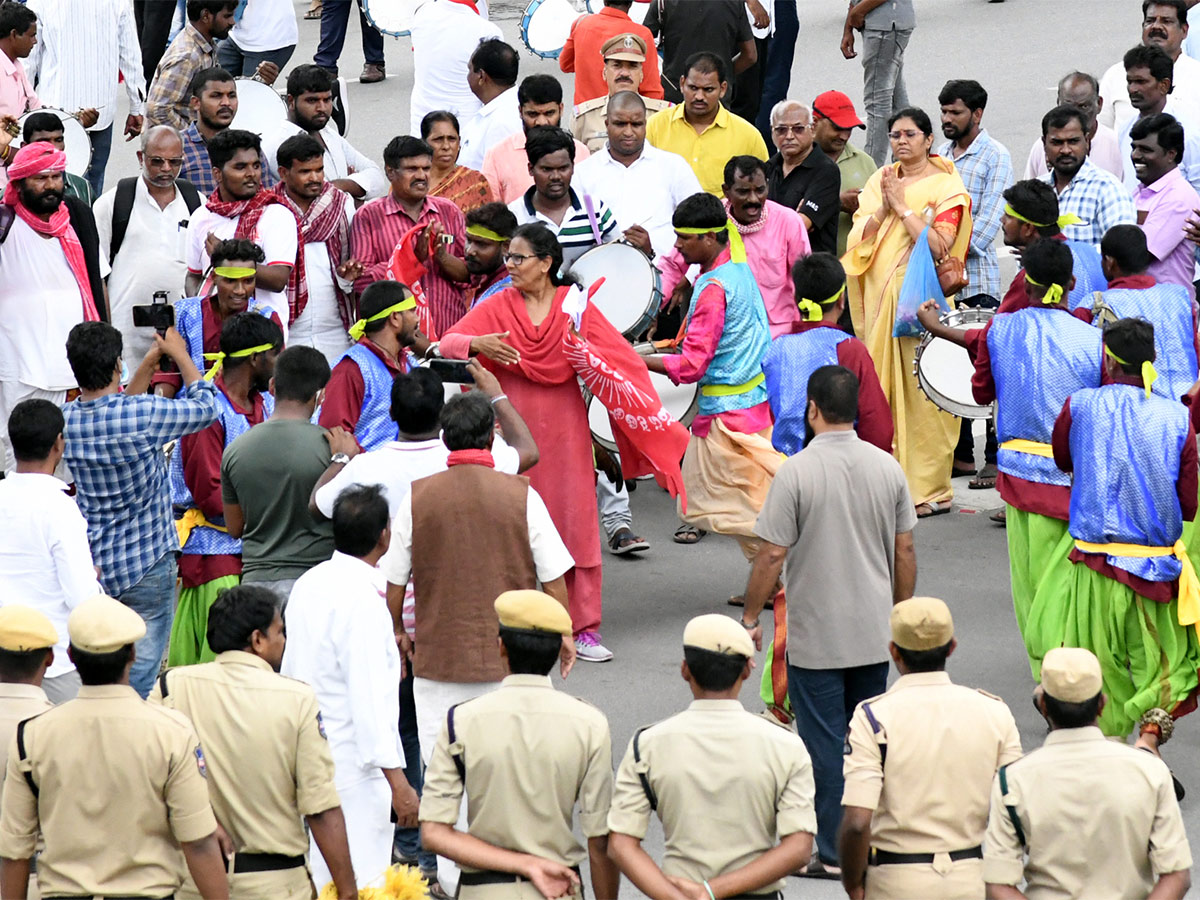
x: 474, y: 879
x: 264, y: 862
x: 887, y: 858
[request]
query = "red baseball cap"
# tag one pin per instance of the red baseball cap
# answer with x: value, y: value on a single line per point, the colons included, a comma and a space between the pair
x: 837, y: 108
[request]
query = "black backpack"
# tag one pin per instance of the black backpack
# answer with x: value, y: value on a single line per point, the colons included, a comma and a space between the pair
x: 123, y: 208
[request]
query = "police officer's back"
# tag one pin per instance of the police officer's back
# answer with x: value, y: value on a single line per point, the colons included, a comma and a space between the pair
x: 27, y: 640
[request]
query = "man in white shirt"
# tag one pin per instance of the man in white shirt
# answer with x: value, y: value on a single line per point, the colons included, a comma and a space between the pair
x: 324, y: 214
x: 81, y: 50
x: 1164, y: 25
x: 142, y: 223
x: 1082, y: 90
x: 492, y: 77
x: 444, y: 35
x: 45, y: 562
x: 1148, y: 84
x: 340, y: 642
x: 310, y: 105
x: 237, y: 168
x: 266, y: 32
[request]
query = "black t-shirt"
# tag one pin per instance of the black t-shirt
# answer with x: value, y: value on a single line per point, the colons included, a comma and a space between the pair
x: 813, y: 189
x: 687, y: 27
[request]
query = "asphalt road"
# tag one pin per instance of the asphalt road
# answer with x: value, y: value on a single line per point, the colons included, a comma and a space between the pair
x: 1017, y: 50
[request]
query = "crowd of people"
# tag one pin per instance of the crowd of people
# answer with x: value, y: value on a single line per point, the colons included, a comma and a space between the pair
x: 250, y: 396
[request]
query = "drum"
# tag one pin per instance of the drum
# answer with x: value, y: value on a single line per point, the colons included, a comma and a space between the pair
x: 632, y: 289
x: 260, y: 108
x: 76, y: 143
x: 390, y: 16
x: 546, y: 26
x: 680, y: 400
x: 944, y: 369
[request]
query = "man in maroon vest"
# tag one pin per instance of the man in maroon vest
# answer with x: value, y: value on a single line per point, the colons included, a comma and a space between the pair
x: 467, y: 535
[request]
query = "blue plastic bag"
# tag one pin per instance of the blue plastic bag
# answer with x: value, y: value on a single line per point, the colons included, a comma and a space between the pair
x: 920, y: 284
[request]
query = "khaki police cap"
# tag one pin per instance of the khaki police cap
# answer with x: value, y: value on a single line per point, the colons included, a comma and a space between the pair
x: 624, y: 46
x: 23, y: 629
x: 1071, y: 674
x: 718, y: 633
x: 921, y: 623
x: 104, y: 625
x: 532, y: 610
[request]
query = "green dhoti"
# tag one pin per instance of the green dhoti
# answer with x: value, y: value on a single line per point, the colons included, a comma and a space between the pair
x: 1036, y: 544
x: 189, y: 640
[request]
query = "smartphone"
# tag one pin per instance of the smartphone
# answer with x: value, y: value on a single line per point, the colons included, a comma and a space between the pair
x: 159, y: 315
x: 452, y: 371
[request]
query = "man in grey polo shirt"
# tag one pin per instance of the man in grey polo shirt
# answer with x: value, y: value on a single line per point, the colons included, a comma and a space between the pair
x: 838, y: 524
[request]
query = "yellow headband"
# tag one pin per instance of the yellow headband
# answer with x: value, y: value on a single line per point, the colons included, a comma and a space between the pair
x: 737, y: 247
x: 359, y: 328
x: 1149, y: 373
x: 1062, y: 221
x: 1053, y: 294
x: 236, y: 354
x: 233, y: 272
x: 812, y: 308
x: 485, y: 234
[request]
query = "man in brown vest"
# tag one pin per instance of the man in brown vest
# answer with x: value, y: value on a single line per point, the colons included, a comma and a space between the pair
x: 467, y: 535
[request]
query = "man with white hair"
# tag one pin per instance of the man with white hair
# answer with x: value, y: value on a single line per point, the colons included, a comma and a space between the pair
x: 808, y: 182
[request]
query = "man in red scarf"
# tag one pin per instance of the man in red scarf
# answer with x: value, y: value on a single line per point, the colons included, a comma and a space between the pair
x: 239, y: 208
x: 324, y: 214
x: 50, y: 280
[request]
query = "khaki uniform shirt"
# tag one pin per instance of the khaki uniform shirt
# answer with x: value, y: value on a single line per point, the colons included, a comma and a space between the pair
x: 530, y: 753
x: 120, y: 785
x: 944, y: 744
x: 1101, y: 819
x: 268, y: 761
x: 18, y: 702
x: 589, y: 126
x: 727, y: 783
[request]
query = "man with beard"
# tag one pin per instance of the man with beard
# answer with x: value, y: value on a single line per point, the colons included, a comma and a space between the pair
x: 238, y: 208
x: 200, y: 319
x: 211, y: 560
x: 142, y: 222
x: 802, y: 180
x: 324, y: 213
x: 624, y: 58
x: 193, y: 49
x: 1082, y: 90
x: 310, y: 105
x: 833, y: 120
x: 213, y: 105
x: 1150, y: 83
x: 379, y: 226
x: 358, y: 397
x: 49, y: 242
x: 489, y: 229
x: 1097, y: 199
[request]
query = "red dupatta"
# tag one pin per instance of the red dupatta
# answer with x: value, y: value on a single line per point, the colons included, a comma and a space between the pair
x: 648, y: 438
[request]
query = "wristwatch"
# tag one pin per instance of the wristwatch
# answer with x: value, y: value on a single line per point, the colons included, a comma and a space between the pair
x: 339, y: 458
x: 749, y: 626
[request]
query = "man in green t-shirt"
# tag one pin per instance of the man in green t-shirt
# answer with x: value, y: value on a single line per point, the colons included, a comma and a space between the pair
x: 268, y: 473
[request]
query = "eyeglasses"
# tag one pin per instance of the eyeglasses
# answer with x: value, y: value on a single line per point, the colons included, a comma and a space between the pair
x: 911, y: 135
x: 516, y: 259
x: 159, y: 162
x: 781, y: 130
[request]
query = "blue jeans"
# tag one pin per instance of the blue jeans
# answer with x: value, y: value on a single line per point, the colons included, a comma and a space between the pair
x: 777, y: 76
x: 101, y: 147
x: 823, y: 701
x: 883, y: 85
x: 237, y: 62
x: 152, y: 598
x: 408, y: 840
x: 335, y: 16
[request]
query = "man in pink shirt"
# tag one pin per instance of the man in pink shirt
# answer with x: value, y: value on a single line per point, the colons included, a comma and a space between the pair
x: 1164, y: 199
x: 775, y: 237
x: 18, y: 35
x: 506, y: 167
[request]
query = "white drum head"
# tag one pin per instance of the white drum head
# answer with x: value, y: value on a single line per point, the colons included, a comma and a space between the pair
x: 77, y: 144
x: 946, y: 370
x: 631, y: 291
x: 392, y: 17
x: 546, y: 26
x: 260, y: 108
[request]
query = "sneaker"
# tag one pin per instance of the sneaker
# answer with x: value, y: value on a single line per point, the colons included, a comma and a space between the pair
x: 589, y: 649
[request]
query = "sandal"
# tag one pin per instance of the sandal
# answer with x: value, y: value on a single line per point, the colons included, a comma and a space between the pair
x: 313, y: 13
x: 625, y: 541
x: 688, y: 534
x: 961, y: 468
x: 1000, y: 516
x: 985, y: 479
x: 932, y: 508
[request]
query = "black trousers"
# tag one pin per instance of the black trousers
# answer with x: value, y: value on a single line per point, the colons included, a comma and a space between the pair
x: 153, y: 19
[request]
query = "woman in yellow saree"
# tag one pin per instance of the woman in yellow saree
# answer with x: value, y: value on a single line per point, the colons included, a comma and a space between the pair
x: 893, y: 209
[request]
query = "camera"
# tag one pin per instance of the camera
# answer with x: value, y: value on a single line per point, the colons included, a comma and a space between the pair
x: 159, y: 315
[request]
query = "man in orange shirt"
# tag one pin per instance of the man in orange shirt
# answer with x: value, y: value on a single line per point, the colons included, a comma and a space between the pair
x: 589, y: 34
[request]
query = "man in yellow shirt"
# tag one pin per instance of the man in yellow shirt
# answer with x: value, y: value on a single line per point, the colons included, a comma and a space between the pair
x: 701, y: 130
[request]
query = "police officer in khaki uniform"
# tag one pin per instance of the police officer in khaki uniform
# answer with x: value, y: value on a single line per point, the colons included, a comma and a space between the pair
x: 522, y: 754
x: 723, y: 782
x: 114, y: 784
x: 624, y: 56
x: 269, y: 765
x: 1083, y: 816
x: 919, y: 767
x: 27, y: 640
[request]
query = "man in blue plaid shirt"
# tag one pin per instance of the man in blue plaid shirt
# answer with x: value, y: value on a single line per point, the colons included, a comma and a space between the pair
x: 114, y: 448
x: 986, y: 170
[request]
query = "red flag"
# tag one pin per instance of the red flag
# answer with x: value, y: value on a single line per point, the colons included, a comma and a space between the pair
x: 406, y: 268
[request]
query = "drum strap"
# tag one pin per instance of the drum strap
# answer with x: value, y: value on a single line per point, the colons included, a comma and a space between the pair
x: 1033, y: 448
x: 731, y: 390
x: 591, y: 214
